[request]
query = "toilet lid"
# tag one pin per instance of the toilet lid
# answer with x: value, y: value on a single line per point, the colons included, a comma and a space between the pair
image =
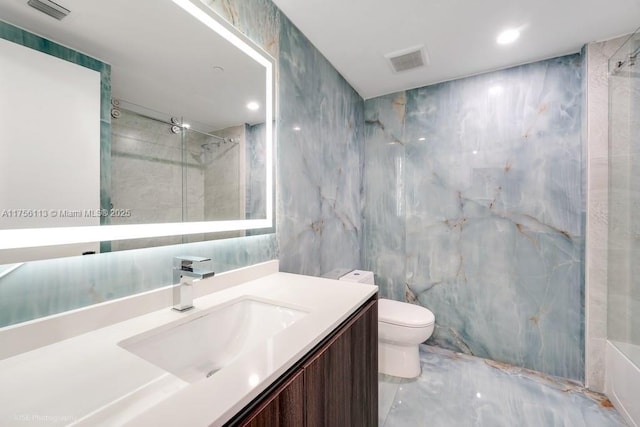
x: 404, y: 314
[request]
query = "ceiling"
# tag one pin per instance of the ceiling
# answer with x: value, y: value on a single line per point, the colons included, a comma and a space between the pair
x: 459, y: 36
x: 161, y: 58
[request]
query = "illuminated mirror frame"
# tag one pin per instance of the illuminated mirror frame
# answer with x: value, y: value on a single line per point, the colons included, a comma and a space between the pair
x: 34, y: 237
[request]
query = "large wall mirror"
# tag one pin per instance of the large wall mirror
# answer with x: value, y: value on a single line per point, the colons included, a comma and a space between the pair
x: 128, y: 124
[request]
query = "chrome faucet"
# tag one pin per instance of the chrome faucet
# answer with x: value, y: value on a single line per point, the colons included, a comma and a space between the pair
x: 184, y: 275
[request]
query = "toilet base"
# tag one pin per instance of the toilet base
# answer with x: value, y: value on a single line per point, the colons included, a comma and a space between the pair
x: 399, y: 360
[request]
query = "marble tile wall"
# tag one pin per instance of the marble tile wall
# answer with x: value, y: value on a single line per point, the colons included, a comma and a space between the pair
x: 474, y: 208
x: 482, y: 221
x: 256, y: 177
x: 41, y: 288
x: 597, y: 116
x: 319, y: 181
x: 320, y: 145
x: 320, y: 161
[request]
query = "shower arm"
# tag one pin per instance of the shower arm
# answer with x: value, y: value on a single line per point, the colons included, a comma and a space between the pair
x: 631, y: 59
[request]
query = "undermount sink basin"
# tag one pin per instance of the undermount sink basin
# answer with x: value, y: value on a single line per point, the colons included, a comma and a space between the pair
x: 196, y: 347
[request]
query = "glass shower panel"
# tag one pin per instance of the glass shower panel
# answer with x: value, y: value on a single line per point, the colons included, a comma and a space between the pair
x: 163, y: 171
x: 623, y: 323
x: 215, y: 174
x: 146, y: 175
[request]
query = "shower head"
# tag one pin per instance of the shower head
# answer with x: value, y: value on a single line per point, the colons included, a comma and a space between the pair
x: 211, y: 151
x: 627, y: 64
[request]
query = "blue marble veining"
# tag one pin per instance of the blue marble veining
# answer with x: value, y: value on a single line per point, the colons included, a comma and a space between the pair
x: 472, y: 198
x: 384, y: 194
x: 320, y: 161
x: 319, y: 180
x: 255, y: 203
x: 42, y: 288
x: 319, y: 145
x: 460, y: 390
x: 257, y: 19
x: 474, y: 209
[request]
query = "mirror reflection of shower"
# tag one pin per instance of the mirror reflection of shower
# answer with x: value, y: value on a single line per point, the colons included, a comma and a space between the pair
x: 623, y: 285
x: 215, y: 149
x: 165, y: 169
x: 626, y: 65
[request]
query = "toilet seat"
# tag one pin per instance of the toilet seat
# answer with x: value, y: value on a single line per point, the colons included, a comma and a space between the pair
x: 404, y: 314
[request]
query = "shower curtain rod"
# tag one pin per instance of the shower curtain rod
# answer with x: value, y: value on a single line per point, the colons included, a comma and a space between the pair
x: 119, y: 104
x: 222, y: 138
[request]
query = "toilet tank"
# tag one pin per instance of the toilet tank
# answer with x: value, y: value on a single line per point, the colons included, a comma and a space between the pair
x: 359, y: 276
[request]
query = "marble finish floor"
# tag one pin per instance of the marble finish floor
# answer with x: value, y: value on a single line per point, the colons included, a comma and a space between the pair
x: 459, y: 390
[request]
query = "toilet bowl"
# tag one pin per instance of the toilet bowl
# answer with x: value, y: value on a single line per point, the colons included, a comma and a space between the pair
x: 401, y: 328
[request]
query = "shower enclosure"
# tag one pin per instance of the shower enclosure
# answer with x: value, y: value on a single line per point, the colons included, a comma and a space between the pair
x: 164, y: 171
x: 623, y: 322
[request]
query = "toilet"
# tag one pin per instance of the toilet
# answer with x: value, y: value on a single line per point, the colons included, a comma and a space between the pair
x: 402, y: 327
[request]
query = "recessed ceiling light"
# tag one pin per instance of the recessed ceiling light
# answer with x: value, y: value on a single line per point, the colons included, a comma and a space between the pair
x: 508, y: 36
x: 253, y: 106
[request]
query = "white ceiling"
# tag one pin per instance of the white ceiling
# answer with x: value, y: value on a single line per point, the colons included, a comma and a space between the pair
x: 459, y: 35
x: 161, y: 57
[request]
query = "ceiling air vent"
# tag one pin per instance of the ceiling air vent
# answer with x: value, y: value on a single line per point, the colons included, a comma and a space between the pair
x: 50, y: 8
x: 407, y: 59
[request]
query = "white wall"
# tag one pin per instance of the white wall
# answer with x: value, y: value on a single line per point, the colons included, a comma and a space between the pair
x: 49, y: 141
x: 50, y: 137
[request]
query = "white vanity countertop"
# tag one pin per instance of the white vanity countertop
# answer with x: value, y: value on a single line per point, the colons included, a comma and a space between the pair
x: 90, y: 380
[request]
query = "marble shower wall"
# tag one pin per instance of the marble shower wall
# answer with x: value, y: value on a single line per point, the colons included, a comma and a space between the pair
x: 320, y: 145
x: 256, y: 177
x: 474, y: 208
x: 320, y: 161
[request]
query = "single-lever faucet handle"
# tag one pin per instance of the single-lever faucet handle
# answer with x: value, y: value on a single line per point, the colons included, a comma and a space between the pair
x: 183, y: 276
x: 185, y: 262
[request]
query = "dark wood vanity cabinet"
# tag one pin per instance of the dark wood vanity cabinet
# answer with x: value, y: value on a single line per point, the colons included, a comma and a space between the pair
x: 335, y: 385
x: 284, y: 407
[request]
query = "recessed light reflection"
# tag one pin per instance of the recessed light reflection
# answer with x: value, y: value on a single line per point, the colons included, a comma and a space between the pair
x: 254, y: 380
x: 508, y: 36
x: 253, y: 106
x: 478, y: 395
x: 475, y: 151
x: 297, y: 128
x: 422, y: 138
